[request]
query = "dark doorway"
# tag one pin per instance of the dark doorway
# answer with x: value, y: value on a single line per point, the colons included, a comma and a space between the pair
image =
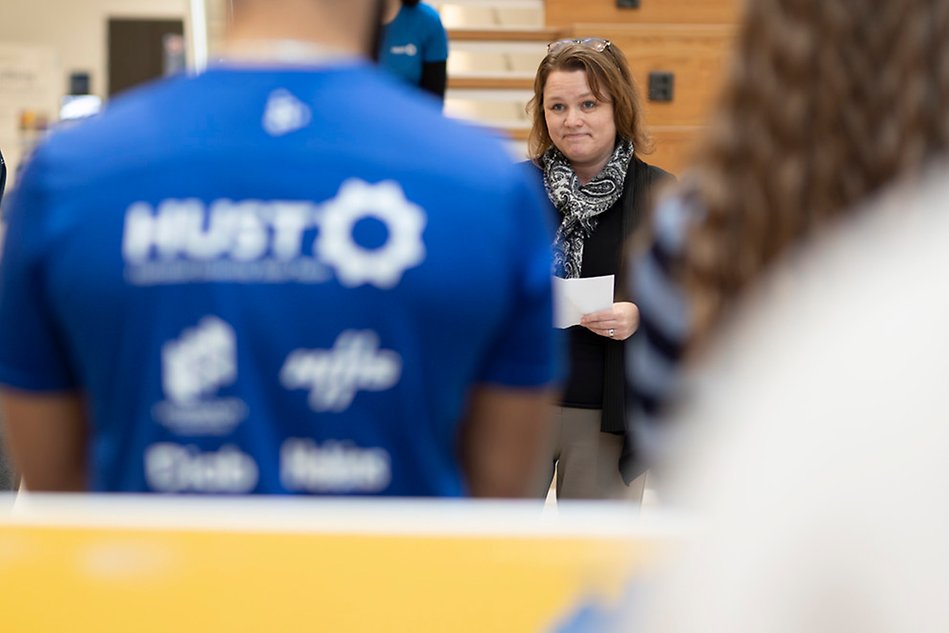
x: 139, y: 51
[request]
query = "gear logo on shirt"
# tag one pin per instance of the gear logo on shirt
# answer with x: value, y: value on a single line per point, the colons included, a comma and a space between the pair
x: 384, y: 266
x: 285, y: 113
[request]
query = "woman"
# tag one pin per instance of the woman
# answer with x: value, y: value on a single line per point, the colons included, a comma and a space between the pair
x: 587, y: 131
x: 415, y: 46
x: 827, y: 102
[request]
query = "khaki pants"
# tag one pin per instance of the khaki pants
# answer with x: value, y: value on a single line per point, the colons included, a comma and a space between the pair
x: 586, y: 460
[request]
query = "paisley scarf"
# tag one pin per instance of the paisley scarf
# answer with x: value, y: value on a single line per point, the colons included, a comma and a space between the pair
x: 579, y: 205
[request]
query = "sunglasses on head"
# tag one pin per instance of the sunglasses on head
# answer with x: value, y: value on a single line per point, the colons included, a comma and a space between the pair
x: 597, y: 44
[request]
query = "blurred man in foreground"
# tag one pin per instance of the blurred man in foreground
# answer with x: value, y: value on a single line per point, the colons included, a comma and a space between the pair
x: 284, y: 275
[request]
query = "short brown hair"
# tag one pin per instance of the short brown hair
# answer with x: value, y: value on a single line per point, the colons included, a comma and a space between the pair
x: 610, y: 81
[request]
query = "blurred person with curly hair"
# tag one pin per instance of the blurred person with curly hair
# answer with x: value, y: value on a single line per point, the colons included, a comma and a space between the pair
x: 826, y: 103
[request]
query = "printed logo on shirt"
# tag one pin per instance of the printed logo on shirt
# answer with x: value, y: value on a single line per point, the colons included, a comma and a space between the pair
x: 176, y: 468
x: 382, y: 266
x: 194, y: 366
x: 255, y: 241
x: 411, y: 50
x: 334, y: 376
x: 284, y: 113
x: 333, y: 467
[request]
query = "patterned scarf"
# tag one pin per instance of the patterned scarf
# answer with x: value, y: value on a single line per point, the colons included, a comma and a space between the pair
x: 581, y: 204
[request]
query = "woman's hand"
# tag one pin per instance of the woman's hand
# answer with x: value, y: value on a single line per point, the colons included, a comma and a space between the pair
x: 618, y: 323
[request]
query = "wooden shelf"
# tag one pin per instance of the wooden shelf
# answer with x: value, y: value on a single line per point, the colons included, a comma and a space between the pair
x: 490, y: 83
x: 504, y: 35
x: 513, y: 134
x: 516, y: 134
x: 563, y: 12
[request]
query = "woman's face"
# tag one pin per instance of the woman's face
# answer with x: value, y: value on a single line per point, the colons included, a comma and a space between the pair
x: 580, y: 125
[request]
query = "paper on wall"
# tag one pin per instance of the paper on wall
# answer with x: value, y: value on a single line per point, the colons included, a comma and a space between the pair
x: 29, y: 98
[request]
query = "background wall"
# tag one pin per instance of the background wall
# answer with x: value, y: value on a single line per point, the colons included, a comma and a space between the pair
x: 495, y: 45
x: 51, y: 39
x: 76, y: 29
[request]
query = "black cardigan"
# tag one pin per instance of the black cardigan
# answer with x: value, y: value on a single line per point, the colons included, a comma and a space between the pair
x: 641, y: 181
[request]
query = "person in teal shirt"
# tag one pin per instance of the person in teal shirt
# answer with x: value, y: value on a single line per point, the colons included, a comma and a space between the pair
x: 415, y: 46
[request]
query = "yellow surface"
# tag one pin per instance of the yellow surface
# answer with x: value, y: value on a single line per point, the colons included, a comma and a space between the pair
x: 142, y: 580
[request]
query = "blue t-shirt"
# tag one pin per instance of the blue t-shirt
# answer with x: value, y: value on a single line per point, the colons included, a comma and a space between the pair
x: 265, y: 283
x: 415, y: 37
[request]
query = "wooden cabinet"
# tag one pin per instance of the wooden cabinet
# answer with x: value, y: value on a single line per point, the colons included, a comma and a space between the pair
x: 673, y: 146
x: 696, y: 55
x: 566, y: 12
x: 691, y: 39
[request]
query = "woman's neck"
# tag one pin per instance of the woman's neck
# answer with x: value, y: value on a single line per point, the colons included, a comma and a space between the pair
x: 586, y: 173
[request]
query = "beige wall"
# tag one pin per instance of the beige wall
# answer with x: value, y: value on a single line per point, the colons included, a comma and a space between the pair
x: 76, y: 29
x: 67, y: 36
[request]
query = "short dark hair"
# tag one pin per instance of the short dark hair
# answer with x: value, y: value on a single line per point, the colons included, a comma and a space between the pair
x: 410, y: 3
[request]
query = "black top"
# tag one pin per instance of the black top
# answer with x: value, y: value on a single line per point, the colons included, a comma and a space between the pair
x: 601, y: 256
x: 435, y: 78
x: 596, y: 376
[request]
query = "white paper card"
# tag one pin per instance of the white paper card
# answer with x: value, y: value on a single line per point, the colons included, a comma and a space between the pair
x: 575, y: 297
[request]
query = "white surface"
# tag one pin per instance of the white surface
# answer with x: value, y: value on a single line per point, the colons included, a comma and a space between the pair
x: 356, y: 516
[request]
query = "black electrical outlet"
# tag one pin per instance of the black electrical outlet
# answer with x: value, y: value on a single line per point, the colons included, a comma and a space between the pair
x: 661, y: 86
x: 79, y: 83
x: 627, y: 4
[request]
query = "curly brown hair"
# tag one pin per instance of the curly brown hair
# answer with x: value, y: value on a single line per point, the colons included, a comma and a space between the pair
x: 610, y: 81
x: 827, y: 101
